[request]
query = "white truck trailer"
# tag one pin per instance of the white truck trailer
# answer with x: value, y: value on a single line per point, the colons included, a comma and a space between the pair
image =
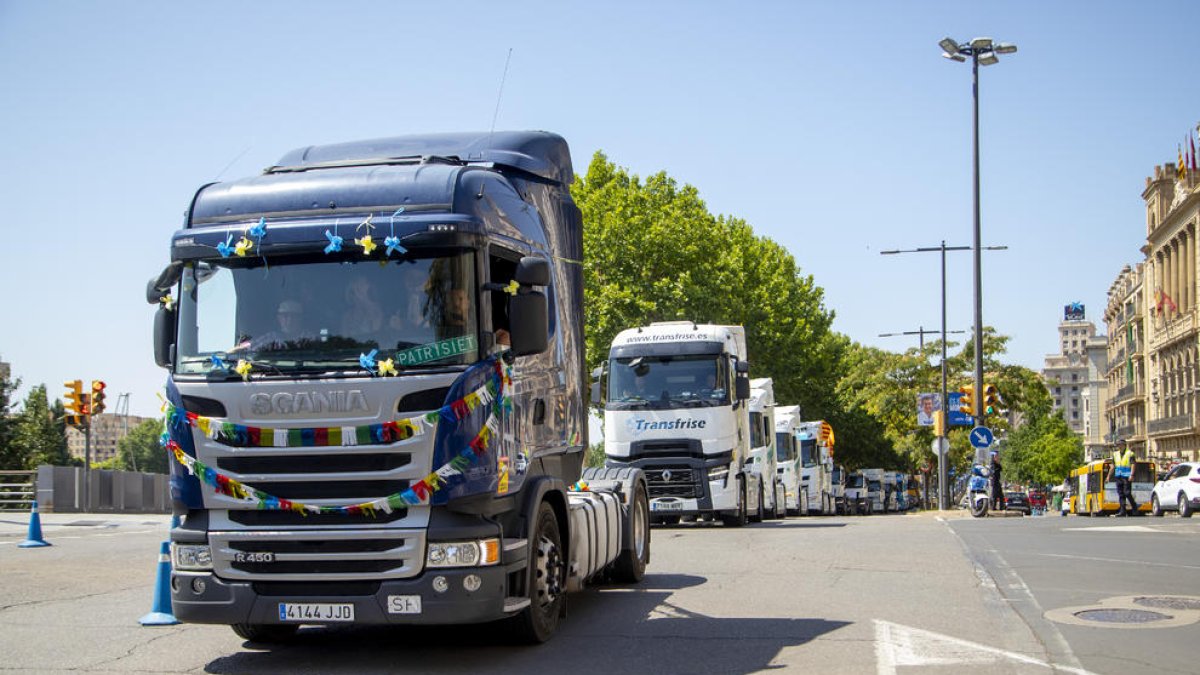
x: 763, y: 452
x: 787, y: 448
x: 816, y: 475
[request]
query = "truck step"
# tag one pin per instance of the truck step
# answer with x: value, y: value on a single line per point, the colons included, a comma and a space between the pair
x: 515, y: 604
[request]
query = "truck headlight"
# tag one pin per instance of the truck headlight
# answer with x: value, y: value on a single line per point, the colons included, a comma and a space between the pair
x: 718, y: 472
x: 481, y: 553
x: 191, y: 557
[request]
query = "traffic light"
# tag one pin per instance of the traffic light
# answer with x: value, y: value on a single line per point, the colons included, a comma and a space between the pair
x: 74, y: 396
x: 966, y: 400
x: 97, y: 397
x: 991, y: 399
x: 74, y: 420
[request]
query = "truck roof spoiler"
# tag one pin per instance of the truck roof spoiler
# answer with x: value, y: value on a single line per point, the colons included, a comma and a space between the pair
x: 540, y: 153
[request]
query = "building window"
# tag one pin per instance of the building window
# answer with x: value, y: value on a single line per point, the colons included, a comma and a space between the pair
x: 1074, y: 414
x: 1058, y: 403
x: 1058, y: 391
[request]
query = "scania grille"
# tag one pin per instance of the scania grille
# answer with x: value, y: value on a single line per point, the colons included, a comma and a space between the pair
x: 318, y: 555
x: 673, y: 481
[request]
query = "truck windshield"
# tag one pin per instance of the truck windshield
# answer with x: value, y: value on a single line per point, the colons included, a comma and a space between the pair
x: 660, y: 382
x: 808, y: 452
x: 783, y: 445
x: 854, y: 481
x: 316, y: 314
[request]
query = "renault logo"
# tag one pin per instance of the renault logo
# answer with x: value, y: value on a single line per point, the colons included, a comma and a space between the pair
x: 667, y: 475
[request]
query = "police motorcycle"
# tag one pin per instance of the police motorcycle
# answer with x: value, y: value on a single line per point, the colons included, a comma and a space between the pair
x: 978, y: 494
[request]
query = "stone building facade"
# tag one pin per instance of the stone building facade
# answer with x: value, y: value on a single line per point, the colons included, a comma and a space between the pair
x: 1153, y: 336
x: 107, y: 430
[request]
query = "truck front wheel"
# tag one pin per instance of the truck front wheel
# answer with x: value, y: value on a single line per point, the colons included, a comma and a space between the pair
x: 630, y: 566
x: 546, y: 580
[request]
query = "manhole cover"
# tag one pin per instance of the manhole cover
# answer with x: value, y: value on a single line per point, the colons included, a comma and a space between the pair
x: 1169, y: 603
x: 1121, y: 615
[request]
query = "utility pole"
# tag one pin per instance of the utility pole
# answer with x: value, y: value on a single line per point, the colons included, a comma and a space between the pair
x: 943, y: 443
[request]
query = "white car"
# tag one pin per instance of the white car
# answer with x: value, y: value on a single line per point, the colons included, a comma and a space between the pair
x: 1179, y: 491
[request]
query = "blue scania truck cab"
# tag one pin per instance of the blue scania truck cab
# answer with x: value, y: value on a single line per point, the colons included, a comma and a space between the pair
x: 375, y: 399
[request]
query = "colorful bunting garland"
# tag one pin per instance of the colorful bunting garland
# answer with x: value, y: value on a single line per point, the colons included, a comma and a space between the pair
x: 417, y: 494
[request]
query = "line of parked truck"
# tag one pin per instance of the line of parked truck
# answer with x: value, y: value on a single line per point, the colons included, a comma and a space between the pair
x: 713, y: 444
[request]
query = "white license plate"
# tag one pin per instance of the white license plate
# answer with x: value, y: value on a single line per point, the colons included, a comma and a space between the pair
x: 666, y: 506
x: 404, y: 604
x: 316, y: 611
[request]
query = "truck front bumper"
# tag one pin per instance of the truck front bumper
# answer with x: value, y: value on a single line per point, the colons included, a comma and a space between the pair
x: 206, y: 598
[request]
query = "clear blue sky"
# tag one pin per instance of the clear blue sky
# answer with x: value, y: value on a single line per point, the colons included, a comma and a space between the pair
x: 835, y: 128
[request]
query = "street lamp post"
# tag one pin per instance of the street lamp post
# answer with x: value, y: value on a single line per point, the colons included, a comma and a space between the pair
x: 982, y: 51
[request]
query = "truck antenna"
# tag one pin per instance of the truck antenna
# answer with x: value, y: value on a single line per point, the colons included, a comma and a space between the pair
x: 496, y: 112
x: 231, y: 163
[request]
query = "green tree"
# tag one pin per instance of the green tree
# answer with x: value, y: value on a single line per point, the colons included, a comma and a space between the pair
x: 12, y: 457
x: 140, y: 449
x: 39, y: 435
x: 1042, y: 451
x: 653, y: 252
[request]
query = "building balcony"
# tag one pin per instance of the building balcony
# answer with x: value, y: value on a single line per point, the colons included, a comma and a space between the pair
x: 1177, y: 327
x: 1172, y: 426
x: 1127, y: 394
x: 1118, y: 361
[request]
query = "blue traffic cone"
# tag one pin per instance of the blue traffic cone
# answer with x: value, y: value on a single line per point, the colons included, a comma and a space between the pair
x: 161, y: 614
x: 34, y: 538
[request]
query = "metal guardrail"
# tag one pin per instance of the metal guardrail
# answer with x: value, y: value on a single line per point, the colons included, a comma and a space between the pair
x: 18, y: 489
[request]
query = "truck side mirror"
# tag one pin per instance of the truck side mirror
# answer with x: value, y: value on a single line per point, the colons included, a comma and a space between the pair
x: 529, y: 322
x: 163, y: 282
x: 597, y: 388
x: 741, y: 386
x: 533, y: 271
x: 164, y: 336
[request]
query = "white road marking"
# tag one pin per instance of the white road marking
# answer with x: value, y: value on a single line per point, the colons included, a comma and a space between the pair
x: 1113, y: 528
x: 897, y: 645
x: 1116, y: 560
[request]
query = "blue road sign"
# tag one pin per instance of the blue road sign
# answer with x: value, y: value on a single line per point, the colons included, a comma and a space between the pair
x: 954, y: 417
x: 981, y: 437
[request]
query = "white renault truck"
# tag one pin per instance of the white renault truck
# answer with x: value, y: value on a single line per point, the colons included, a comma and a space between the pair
x: 763, y: 452
x: 676, y: 405
x: 787, y: 449
x: 875, y: 490
x: 816, y: 460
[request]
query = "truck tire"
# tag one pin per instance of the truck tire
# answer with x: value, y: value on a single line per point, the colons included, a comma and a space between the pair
x: 738, y: 519
x: 266, y: 633
x: 545, y: 581
x: 630, y: 565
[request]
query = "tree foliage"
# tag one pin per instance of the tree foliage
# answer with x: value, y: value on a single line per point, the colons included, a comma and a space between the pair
x: 140, y: 449
x: 40, y: 435
x: 11, y: 456
x: 653, y: 252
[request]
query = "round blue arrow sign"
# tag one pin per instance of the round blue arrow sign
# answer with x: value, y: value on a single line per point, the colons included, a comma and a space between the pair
x: 981, y: 437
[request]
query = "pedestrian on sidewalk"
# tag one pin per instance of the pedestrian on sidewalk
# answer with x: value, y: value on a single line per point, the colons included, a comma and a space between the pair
x: 1122, y: 472
x: 997, y: 484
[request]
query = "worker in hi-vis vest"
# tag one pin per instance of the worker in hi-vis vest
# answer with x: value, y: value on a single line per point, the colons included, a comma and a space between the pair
x: 1122, y: 472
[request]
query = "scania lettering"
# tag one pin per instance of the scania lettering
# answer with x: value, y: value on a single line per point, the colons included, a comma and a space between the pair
x: 675, y: 398
x: 376, y: 393
x: 763, y: 459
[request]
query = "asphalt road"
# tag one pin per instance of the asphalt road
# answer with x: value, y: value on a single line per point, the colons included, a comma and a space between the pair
x: 1118, y: 570
x: 880, y: 594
